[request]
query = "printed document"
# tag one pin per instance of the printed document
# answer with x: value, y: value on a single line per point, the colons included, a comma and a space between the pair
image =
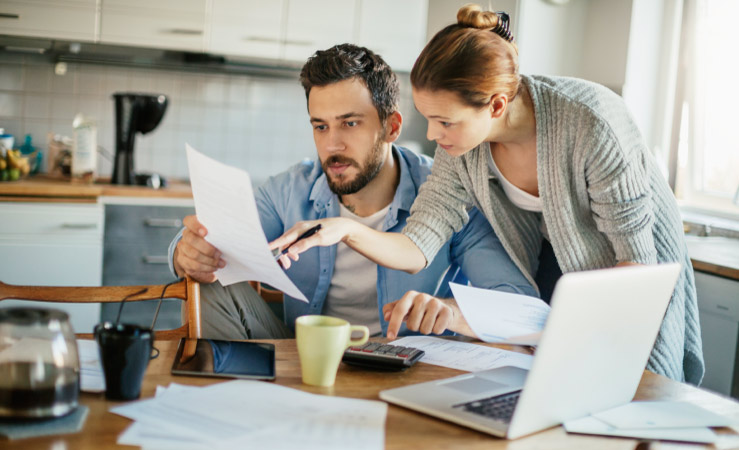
x: 662, y: 414
x: 501, y: 317
x: 225, y: 205
x: 591, y: 425
x: 463, y: 355
x: 252, y: 414
x: 91, y: 370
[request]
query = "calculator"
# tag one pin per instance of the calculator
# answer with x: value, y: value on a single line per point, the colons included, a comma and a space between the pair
x: 379, y: 356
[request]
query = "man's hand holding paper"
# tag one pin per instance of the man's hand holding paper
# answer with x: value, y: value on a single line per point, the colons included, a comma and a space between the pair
x: 226, y: 240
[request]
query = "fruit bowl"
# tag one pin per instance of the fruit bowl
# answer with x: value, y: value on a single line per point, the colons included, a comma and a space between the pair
x: 15, y: 166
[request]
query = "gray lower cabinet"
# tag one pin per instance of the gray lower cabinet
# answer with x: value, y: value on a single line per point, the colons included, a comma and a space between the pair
x: 135, y: 247
x: 718, y: 302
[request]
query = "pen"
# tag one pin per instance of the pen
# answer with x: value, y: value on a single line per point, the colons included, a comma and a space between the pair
x: 277, y: 253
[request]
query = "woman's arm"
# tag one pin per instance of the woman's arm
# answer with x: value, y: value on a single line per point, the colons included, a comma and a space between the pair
x: 392, y: 250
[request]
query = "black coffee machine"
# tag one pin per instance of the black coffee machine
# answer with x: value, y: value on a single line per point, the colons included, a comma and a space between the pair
x: 134, y: 113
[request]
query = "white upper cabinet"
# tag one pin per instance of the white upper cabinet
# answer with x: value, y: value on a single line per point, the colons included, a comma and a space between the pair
x: 277, y: 30
x: 316, y: 25
x: 168, y: 24
x: 61, y: 19
x: 247, y: 27
x: 396, y: 30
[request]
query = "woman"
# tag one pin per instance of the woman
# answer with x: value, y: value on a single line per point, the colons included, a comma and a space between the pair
x: 556, y: 165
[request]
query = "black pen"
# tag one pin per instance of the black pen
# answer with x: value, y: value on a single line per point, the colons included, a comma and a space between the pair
x: 308, y: 233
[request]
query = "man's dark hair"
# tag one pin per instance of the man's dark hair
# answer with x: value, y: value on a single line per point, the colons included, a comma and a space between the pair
x: 346, y: 61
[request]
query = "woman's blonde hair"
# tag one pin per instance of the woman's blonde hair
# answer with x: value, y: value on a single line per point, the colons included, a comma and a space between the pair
x: 469, y: 58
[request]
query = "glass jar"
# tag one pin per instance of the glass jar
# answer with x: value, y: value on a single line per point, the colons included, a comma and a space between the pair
x: 39, y: 364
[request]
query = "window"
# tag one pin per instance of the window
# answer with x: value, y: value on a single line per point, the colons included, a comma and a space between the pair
x: 705, y: 160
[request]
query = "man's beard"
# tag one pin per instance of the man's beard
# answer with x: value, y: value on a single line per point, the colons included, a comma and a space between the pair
x: 367, y: 172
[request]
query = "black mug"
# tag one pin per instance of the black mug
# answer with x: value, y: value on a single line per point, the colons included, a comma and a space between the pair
x: 125, y: 351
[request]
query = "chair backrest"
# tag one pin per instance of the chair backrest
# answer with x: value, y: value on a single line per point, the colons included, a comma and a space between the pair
x: 269, y: 295
x: 187, y: 290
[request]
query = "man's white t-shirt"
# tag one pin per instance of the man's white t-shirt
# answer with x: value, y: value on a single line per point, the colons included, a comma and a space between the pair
x: 352, y: 295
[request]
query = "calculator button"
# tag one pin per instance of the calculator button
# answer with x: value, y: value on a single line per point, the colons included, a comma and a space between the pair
x: 371, y: 347
x: 384, y: 348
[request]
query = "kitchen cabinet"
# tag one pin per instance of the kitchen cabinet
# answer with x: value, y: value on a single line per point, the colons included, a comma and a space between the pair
x: 317, y: 25
x: 271, y: 30
x: 167, y: 24
x: 718, y: 302
x: 60, y: 19
x: 53, y: 244
x: 395, y: 30
x: 247, y: 27
x: 137, y: 237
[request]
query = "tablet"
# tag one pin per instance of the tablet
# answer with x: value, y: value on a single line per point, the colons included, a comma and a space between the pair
x: 226, y: 359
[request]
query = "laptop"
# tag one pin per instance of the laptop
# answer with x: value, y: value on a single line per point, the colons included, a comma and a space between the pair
x: 591, y: 356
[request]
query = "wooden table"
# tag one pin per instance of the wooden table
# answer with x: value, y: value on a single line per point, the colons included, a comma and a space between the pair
x: 405, y: 429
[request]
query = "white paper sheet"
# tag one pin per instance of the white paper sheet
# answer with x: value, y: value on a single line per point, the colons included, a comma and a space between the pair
x: 661, y: 414
x: 501, y: 317
x: 91, y: 371
x: 463, y: 355
x: 225, y: 205
x: 240, y: 414
x: 591, y: 425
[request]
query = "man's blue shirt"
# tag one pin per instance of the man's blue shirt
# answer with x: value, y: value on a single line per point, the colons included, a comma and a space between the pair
x: 302, y: 193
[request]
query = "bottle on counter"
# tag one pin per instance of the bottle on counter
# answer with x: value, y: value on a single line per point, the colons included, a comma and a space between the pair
x: 33, y: 154
x: 84, y: 149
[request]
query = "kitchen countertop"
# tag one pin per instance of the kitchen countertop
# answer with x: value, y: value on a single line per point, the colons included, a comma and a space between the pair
x: 719, y: 256
x: 56, y: 189
x: 715, y: 255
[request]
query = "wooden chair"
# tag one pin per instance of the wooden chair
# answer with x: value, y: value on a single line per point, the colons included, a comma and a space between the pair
x: 187, y: 290
x: 269, y: 295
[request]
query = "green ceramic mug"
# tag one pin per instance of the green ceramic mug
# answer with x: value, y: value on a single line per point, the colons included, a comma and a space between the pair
x: 321, y: 343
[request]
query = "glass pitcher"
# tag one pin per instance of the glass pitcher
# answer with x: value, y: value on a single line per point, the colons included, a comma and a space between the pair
x: 39, y: 364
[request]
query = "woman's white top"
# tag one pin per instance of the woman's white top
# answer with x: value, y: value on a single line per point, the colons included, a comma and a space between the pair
x: 517, y: 196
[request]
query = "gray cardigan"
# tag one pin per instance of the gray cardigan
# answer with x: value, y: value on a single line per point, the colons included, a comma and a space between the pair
x: 604, y: 201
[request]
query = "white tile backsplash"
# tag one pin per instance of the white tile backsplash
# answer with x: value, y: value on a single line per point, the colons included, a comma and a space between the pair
x: 64, y: 107
x: 36, y: 106
x: 11, y: 105
x: 11, y: 78
x: 256, y: 123
x: 37, y: 78
x: 65, y: 84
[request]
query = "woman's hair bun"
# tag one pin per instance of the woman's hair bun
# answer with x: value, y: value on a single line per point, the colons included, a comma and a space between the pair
x: 472, y: 16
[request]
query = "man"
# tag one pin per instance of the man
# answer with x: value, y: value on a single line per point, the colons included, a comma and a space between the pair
x: 352, y: 99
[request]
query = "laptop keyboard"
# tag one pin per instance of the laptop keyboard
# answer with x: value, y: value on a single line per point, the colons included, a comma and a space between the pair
x: 498, y: 408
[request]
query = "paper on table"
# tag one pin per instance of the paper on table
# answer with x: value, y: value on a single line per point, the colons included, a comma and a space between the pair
x: 225, y: 205
x: 501, y: 317
x: 462, y: 355
x: 91, y: 371
x: 591, y: 425
x: 661, y: 414
x: 241, y: 413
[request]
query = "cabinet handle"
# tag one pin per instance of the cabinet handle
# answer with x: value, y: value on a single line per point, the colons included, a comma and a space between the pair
x: 9, y: 16
x: 156, y: 259
x: 79, y: 226
x: 184, y: 31
x: 163, y: 223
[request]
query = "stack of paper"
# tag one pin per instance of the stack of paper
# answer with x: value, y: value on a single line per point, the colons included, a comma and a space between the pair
x: 665, y: 420
x: 242, y: 413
